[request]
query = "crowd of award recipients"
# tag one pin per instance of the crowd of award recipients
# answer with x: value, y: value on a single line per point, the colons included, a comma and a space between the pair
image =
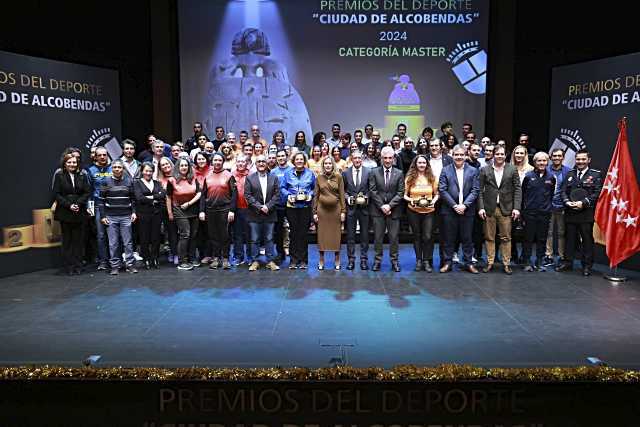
x: 200, y: 198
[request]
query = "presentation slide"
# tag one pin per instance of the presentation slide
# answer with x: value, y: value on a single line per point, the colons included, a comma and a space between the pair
x: 303, y: 65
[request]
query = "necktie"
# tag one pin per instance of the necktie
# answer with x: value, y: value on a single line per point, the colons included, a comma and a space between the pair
x: 582, y: 174
x: 386, y: 178
x: 357, y: 178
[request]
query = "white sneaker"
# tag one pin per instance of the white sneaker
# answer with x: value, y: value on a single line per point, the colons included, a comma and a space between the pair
x: 137, y: 256
x: 474, y: 259
x: 455, y: 258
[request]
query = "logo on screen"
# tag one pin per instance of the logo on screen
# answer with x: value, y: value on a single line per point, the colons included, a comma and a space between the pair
x: 570, y: 142
x: 102, y: 138
x: 469, y: 64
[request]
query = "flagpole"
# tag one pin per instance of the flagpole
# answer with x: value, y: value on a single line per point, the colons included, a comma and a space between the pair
x: 614, y: 277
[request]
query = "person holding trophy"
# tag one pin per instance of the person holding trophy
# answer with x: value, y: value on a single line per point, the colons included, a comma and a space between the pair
x: 421, y: 194
x: 356, y: 188
x: 297, y: 185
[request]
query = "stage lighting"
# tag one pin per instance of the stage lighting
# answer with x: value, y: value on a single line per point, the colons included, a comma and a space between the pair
x: 596, y: 361
x: 91, y: 360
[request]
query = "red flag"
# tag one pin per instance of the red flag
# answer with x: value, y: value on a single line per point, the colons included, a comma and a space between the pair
x: 618, y: 209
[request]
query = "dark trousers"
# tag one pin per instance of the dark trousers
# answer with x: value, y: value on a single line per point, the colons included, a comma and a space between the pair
x: 218, y: 222
x: 241, y: 235
x: 536, y: 230
x: 149, y: 235
x: 355, y: 216
x: 278, y: 232
x: 392, y: 226
x: 299, y: 219
x: 585, y: 231
x: 458, y: 226
x: 204, y: 244
x: 171, y: 230
x: 478, y: 236
x: 187, y: 231
x: 72, y: 243
x: 422, y: 232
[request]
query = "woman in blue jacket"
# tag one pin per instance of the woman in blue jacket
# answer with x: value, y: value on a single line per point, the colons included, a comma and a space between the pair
x: 297, y: 186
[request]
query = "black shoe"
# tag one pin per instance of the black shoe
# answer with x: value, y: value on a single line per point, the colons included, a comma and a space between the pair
x: 418, y: 265
x: 114, y: 272
x: 77, y: 271
x: 147, y: 265
x: 351, y: 264
x: 131, y: 270
x: 565, y: 266
x: 363, y: 264
x: 155, y: 264
x: 376, y: 266
x: 586, y: 272
x: 395, y: 266
x: 547, y: 261
x: 70, y: 271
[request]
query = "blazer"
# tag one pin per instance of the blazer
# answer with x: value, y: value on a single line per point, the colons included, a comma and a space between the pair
x: 449, y: 189
x: 350, y: 188
x: 145, y: 205
x: 255, y: 200
x: 509, y: 191
x: 379, y: 195
x: 67, y: 194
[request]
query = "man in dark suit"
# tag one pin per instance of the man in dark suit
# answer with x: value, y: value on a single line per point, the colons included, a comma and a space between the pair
x: 499, y: 202
x: 580, y: 192
x: 356, y: 189
x: 386, y: 191
x: 262, y: 193
x: 458, y: 188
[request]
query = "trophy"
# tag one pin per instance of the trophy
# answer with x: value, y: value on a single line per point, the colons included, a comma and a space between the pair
x: 301, y: 196
x: 361, y: 199
x: 422, y: 202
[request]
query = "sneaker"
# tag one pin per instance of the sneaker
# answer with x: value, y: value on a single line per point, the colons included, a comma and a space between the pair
x: 137, y: 256
x: 455, y: 258
x: 263, y: 251
x: 225, y: 264
x: 131, y: 270
x: 114, y: 272
x: 102, y: 266
x: 206, y: 260
x: 215, y: 263
x: 196, y: 263
x: 272, y: 266
x: 474, y: 260
x: 236, y: 262
x: 254, y: 266
x: 185, y: 266
x: 547, y: 261
x: 303, y: 266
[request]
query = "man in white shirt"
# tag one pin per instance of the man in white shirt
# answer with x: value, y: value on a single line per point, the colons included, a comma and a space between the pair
x: 334, y: 141
x: 131, y: 164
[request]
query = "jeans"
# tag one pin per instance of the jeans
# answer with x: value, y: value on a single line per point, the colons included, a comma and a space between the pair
x: 119, y: 231
x: 101, y: 237
x: 557, y: 225
x: 240, y: 235
x: 187, y: 231
x: 261, y: 231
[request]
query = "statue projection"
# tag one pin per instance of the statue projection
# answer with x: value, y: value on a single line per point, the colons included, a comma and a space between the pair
x: 250, y: 87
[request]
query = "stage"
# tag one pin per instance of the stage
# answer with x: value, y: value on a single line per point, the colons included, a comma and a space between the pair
x: 204, y: 317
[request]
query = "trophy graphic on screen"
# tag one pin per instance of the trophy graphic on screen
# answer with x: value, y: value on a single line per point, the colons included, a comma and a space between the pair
x: 102, y: 138
x: 403, y: 106
x: 469, y: 64
x: 570, y: 142
x: 250, y: 87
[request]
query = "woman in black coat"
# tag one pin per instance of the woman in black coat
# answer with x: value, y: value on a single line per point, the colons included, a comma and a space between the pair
x: 150, y: 203
x: 71, y: 190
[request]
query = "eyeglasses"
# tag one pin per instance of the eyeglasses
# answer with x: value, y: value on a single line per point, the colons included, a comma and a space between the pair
x: 261, y: 161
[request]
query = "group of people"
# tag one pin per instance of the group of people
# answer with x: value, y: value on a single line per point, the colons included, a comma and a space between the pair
x: 204, y: 197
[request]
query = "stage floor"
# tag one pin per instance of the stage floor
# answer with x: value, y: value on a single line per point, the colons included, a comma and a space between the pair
x: 293, y: 317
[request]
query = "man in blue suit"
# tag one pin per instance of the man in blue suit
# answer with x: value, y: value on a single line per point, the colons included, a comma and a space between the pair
x: 458, y: 207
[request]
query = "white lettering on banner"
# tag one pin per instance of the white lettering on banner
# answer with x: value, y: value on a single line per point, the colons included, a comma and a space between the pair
x: 3, y: 96
x: 56, y: 102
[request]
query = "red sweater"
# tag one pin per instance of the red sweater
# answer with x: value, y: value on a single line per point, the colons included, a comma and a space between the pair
x: 219, y: 191
x: 240, y: 177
